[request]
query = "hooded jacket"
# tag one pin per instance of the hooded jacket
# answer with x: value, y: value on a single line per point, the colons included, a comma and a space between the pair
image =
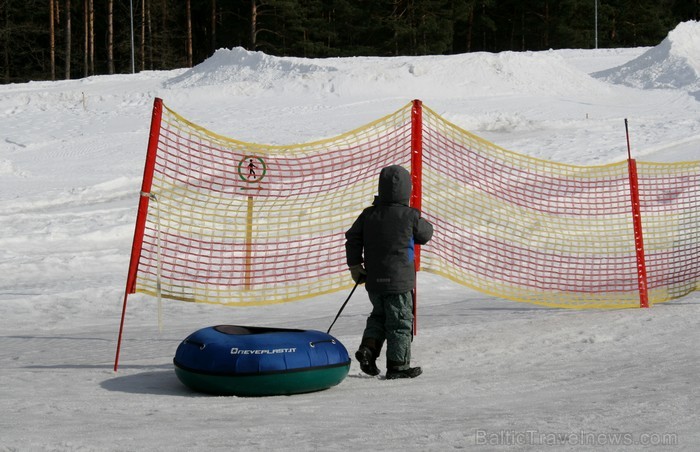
x: 384, y: 235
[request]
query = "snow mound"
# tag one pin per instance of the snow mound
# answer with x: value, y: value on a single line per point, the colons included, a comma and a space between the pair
x: 674, y: 63
x: 238, y: 65
x: 480, y: 74
x: 7, y: 167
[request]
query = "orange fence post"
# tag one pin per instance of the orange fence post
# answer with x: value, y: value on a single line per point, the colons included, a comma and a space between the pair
x: 153, y: 138
x: 637, y: 221
x: 417, y: 181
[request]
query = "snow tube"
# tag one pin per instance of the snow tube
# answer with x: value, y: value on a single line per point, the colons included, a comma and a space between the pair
x: 256, y: 361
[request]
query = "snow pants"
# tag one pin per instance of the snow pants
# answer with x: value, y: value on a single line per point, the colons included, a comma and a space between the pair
x: 391, y: 320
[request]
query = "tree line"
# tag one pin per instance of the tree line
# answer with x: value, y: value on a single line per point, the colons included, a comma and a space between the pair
x: 63, y: 39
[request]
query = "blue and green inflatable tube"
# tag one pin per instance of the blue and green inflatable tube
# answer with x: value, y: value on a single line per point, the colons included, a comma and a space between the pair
x: 257, y: 361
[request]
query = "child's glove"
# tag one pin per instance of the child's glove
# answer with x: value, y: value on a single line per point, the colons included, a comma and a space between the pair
x: 358, y: 273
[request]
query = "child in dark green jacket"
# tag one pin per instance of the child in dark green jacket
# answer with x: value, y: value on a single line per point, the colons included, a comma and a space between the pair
x: 380, y: 253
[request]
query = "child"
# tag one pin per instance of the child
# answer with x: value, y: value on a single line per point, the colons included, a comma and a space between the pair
x: 379, y: 249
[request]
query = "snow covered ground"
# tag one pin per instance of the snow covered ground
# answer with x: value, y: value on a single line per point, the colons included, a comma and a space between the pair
x: 498, y: 375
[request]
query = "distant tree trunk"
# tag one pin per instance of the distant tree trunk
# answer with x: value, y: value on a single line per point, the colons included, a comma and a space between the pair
x: 110, y: 37
x: 52, y: 39
x: 330, y: 24
x: 143, y: 35
x: 253, y: 24
x: 5, y: 42
x: 68, y: 43
x: 92, y: 36
x: 470, y: 27
x: 522, y: 31
x: 213, y: 25
x: 162, y: 42
x: 150, y: 36
x: 189, y: 33
x: 483, y: 33
x: 547, y: 20
x: 86, y: 41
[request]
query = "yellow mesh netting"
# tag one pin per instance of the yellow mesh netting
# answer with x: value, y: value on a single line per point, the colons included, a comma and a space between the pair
x: 245, y: 224
x: 242, y: 223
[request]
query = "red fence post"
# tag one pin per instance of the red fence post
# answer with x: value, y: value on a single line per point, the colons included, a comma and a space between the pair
x: 638, y: 235
x: 637, y: 222
x: 153, y: 138
x: 417, y: 181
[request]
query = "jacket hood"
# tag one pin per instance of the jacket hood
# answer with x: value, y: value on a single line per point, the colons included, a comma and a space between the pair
x: 394, y: 186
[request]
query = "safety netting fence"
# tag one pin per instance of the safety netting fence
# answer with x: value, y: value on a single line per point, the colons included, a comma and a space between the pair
x: 228, y: 222
x: 238, y: 223
x: 543, y: 232
x: 669, y: 195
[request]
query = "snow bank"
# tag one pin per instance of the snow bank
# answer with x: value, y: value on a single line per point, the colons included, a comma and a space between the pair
x: 238, y: 65
x: 423, y: 76
x: 675, y: 63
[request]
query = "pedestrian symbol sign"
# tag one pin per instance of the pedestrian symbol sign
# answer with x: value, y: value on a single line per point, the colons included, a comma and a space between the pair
x: 252, y: 170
